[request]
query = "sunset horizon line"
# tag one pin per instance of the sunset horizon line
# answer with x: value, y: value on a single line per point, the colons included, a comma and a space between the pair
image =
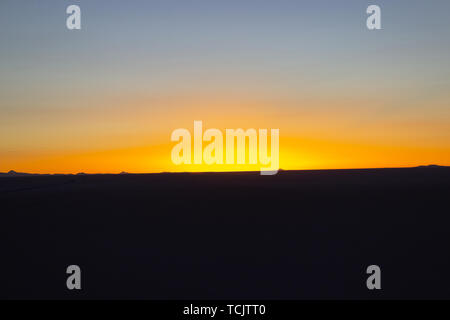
x: 13, y: 172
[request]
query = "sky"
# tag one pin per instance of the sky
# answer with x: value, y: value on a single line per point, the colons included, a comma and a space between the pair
x: 106, y: 98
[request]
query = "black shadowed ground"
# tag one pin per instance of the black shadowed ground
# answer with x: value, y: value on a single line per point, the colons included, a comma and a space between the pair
x: 295, y: 235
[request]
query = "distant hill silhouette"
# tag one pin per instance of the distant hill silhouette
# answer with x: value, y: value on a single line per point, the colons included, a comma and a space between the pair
x: 430, y: 166
x: 13, y: 173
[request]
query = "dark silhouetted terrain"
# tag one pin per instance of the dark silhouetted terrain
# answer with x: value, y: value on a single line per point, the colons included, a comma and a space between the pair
x: 296, y: 235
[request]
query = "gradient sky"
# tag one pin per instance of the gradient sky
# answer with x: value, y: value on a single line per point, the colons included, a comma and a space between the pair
x: 106, y: 98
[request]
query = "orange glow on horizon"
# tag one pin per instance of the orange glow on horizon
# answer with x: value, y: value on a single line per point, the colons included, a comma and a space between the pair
x: 295, y: 154
x: 136, y: 139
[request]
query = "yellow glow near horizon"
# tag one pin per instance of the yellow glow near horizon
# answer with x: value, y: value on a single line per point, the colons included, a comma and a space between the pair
x: 136, y: 139
x: 295, y: 154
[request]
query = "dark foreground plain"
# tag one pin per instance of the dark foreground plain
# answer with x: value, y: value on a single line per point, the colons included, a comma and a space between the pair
x: 295, y: 235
